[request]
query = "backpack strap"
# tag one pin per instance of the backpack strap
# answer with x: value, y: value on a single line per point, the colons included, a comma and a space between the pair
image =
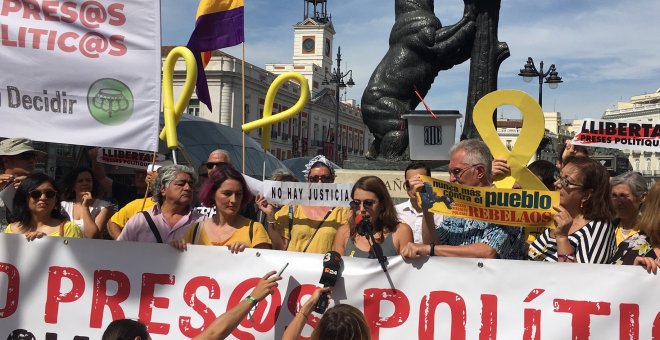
x: 196, y: 234
x: 290, y: 214
x: 251, y: 231
x: 62, y: 228
x: 152, y: 225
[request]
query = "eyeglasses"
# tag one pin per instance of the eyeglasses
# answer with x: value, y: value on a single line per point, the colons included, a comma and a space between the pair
x: 323, y: 179
x: 368, y: 204
x: 563, y: 180
x: 211, y: 165
x: 458, y: 172
x: 36, y: 194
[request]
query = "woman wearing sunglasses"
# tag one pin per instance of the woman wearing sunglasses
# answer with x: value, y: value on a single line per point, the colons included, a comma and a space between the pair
x: 584, y: 230
x: 372, y: 202
x: 80, y: 202
x: 305, y: 228
x: 37, y: 210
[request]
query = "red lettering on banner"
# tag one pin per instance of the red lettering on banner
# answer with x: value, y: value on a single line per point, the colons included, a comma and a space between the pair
x: 532, y: 322
x: 115, y: 11
x: 261, y: 323
x: 54, y: 296
x: 488, y: 330
x: 69, y: 14
x: 581, y: 311
x: 655, y: 333
x: 61, y: 41
x: 294, y: 304
x: 100, y: 299
x: 9, y: 6
x: 190, y: 297
x: 427, y: 314
x: 149, y: 301
x: 31, y: 8
x: 13, y: 287
x: 629, y: 321
x: 372, y: 299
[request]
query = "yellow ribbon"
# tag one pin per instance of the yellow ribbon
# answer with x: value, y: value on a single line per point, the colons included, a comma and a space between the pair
x: 531, y: 133
x: 268, y: 118
x: 172, y: 113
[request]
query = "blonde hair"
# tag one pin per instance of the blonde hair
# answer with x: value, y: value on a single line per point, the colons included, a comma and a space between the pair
x: 649, y: 221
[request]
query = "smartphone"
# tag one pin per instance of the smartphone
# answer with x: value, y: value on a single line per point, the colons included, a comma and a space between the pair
x: 282, y: 270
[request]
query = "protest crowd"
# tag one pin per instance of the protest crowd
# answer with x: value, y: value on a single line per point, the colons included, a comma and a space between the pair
x: 600, y: 219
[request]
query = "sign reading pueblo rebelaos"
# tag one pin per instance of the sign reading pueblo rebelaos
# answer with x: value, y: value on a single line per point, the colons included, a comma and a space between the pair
x: 81, y: 72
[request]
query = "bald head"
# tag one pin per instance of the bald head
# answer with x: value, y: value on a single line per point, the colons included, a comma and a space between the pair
x: 219, y: 156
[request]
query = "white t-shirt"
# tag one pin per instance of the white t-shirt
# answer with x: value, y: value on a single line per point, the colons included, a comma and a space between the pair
x: 407, y: 214
x: 94, y: 210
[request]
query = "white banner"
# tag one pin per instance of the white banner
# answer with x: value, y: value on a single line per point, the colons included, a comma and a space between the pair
x: 312, y: 194
x: 619, y: 134
x: 128, y: 158
x: 81, y: 72
x: 62, y: 288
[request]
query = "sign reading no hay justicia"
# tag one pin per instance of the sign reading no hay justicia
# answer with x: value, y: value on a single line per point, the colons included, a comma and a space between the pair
x: 81, y: 72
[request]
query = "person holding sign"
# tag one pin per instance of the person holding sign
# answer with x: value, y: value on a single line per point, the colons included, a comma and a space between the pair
x: 305, y: 228
x: 372, y: 202
x: 227, y: 192
x: 37, y: 210
x: 584, y: 230
x: 470, y: 164
x: 81, y: 203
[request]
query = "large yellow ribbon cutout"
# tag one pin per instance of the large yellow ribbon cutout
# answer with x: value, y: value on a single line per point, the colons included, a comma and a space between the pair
x: 172, y: 113
x: 268, y: 118
x: 533, y: 127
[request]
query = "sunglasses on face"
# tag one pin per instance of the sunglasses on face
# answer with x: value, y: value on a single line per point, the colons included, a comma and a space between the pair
x: 322, y: 179
x: 458, y: 172
x: 368, y: 204
x: 211, y: 165
x: 36, y: 194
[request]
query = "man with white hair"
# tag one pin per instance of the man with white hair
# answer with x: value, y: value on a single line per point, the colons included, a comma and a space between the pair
x: 169, y: 219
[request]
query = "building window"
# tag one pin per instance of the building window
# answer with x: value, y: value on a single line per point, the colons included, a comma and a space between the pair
x: 508, y: 144
x: 193, y: 107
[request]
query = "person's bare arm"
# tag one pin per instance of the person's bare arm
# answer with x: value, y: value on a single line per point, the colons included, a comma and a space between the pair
x: 296, y: 326
x: 105, y: 182
x: 114, y: 229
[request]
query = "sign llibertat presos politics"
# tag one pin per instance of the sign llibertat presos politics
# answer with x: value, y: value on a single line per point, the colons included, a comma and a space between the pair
x: 620, y: 134
x: 55, y: 288
x: 81, y: 72
x: 312, y: 194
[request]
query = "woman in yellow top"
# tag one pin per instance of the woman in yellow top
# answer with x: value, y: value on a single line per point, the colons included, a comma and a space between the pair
x: 227, y: 191
x: 36, y: 210
x: 305, y: 228
x: 628, y: 194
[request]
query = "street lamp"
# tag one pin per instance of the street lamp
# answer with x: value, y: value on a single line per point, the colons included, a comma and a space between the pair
x: 551, y: 77
x: 337, y: 78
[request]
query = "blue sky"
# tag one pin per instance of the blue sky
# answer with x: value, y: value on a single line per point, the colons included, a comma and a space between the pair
x: 605, y: 50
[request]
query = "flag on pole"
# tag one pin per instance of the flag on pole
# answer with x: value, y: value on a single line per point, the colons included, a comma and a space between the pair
x: 219, y: 24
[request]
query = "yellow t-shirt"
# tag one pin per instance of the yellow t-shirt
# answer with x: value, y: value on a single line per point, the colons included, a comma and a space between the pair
x: 303, y: 228
x: 242, y: 234
x: 70, y: 230
x: 131, y: 208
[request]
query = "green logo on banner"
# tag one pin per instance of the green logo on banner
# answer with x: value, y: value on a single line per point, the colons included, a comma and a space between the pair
x: 110, y: 101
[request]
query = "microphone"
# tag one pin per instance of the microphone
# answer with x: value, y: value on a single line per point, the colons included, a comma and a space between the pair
x: 332, y: 267
x: 363, y: 227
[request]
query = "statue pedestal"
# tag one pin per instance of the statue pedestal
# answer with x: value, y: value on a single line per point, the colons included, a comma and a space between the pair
x: 431, y: 138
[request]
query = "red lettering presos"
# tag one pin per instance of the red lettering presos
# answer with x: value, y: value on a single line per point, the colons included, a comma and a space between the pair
x: 294, y: 303
x: 581, y: 312
x: 147, y: 300
x: 262, y: 323
x: 190, y: 297
x: 372, y: 300
x: 629, y: 321
x: 54, y: 296
x: 488, y: 329
x: 100, y: 298
x: 427, y: 314
x: 13, y: 289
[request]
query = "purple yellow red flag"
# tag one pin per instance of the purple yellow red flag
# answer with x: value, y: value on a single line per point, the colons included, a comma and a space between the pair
x: 219, y: 24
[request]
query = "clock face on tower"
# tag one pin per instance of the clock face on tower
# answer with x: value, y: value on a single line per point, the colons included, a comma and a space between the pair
x: 308, y: 44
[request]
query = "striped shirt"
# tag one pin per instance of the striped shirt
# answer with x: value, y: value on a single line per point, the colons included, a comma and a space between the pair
x: 508, y: 242
x: 593, y: 243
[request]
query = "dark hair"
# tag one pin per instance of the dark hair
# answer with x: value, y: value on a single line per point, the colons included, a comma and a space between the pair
x: 222, y: 173
x: 342, y: 322
x: 418, y: 165
x: 577, y: 148
x: 596, y: 178
x: 387, y: 217
x: 125, y: 329
x: 318, y: 165
x: 21, y: 210
x: 69, y: 181
x: 547, y: 171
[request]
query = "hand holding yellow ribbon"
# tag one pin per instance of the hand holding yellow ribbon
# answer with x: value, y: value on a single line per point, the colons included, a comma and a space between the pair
x: 268, y: 118
x: 172, y: 113
x: 528, y: 141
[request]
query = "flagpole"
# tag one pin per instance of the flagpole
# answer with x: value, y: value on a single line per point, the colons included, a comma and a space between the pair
x: 243, y: 106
